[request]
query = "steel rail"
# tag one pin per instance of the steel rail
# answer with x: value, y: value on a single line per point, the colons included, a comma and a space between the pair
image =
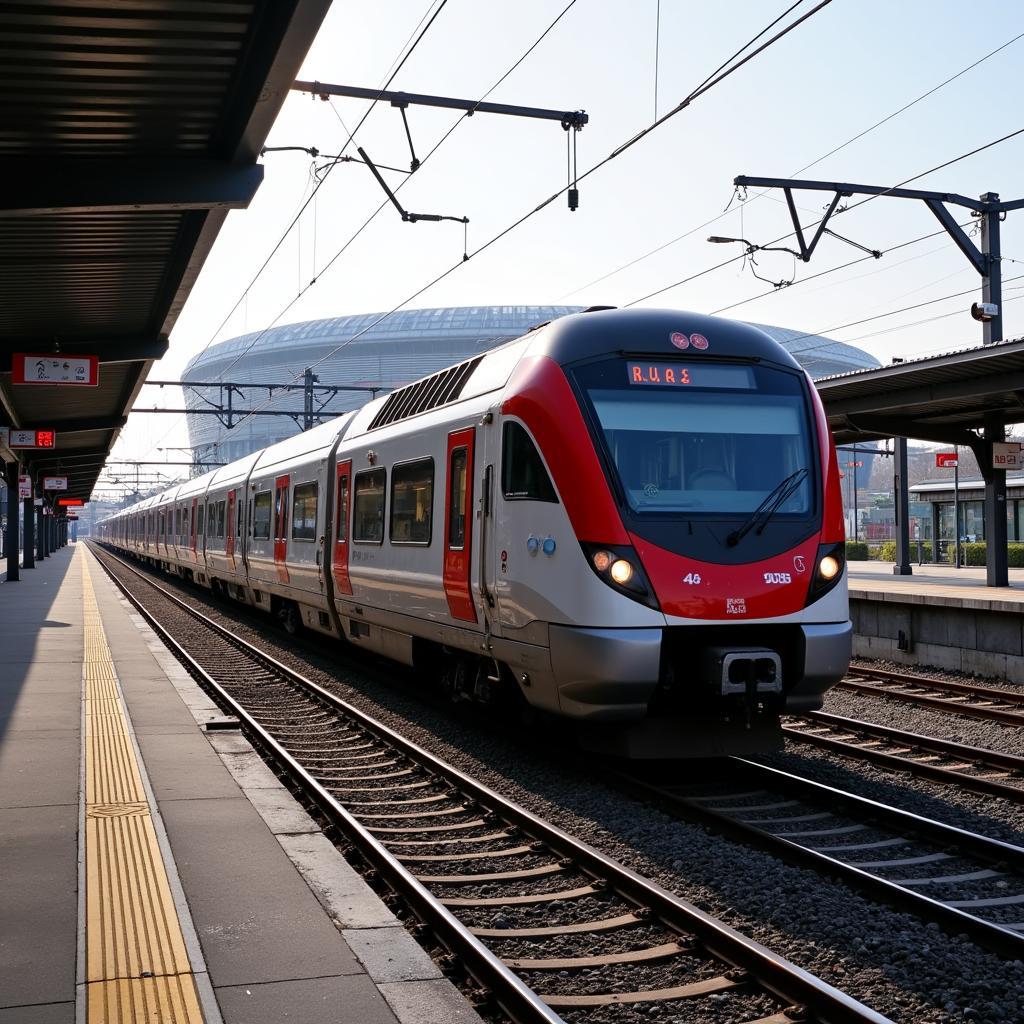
x: 1007, y: 763
x: 935, y: 683
x: 997, y: 714
x: 1000, y: 940
x: 784, y: 979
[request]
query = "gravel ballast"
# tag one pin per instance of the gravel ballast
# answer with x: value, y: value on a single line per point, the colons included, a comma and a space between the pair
x: 903, y: 968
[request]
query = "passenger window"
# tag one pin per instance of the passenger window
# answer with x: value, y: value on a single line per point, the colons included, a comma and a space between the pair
x: 368, y: 506
x: 412, y: 501
x: 304, y: 511
x: 261, y: 516
x: 200, y: 522
x: 457, y: 479
x: 523, y: 476
x: 222, y: 508
x: 341, y: 527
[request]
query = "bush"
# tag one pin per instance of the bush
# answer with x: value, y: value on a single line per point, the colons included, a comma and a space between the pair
x: 887, y: 551
x: 856, y: 551
x: 975, y: 554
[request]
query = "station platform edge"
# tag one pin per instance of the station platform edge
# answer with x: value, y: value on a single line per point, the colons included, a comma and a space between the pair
x: 153, y: 871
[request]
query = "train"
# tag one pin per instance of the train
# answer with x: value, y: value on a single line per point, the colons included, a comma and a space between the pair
x: 627, y: 519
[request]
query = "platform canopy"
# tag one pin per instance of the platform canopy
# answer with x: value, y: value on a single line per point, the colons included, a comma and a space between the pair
x: 942, y: 398
x: 128, y: 130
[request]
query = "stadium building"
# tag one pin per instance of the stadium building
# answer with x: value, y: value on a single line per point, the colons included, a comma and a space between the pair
x: 401, y: 348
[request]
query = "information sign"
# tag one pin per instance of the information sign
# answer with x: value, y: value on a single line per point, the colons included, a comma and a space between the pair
x: 24, y: 486
x: 27, y: 438
x: 47, y: 368
x: 1006, y: 455
x: 55, y: 483
x: 946, y: 460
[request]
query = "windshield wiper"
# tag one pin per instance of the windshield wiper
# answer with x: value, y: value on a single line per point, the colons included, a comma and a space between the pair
x: 771, y: 504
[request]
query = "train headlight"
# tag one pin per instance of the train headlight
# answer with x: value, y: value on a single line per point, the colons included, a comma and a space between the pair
x: 620, y: 568
x: 829, y: 568
x: 621, y: 572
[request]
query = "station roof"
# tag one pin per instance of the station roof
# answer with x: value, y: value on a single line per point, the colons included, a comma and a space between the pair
x: 128, y: 130
x: 938, y: 398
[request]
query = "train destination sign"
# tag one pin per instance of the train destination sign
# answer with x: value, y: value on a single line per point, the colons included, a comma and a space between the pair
x: 687, y: 374
x: 55, y: 483
x: 47, y: 368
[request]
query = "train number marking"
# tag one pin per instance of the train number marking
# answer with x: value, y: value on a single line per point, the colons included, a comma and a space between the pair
x: 778, y: 577
x: 692, y: 578
x: 735, y: 606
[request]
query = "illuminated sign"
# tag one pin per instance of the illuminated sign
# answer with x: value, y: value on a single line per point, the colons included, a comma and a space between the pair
x: 70, y: 502
x: 946, y: 460
x: 1006, y: 455
x: 47, y: 368
x: 702, y: 376
x: 27, y: 438
x: 55, y: 483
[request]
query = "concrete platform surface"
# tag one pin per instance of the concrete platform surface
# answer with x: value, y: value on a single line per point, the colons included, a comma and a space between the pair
x: 277, y: 925
x: 936, y: 584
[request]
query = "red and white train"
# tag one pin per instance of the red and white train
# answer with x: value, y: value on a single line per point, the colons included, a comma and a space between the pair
x: 631, y: 519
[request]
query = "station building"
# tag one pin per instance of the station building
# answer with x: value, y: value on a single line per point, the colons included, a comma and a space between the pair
x: 404, y: 347
x: 934, y: 502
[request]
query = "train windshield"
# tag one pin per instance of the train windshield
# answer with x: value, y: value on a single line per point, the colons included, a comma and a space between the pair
x: 712, y: 440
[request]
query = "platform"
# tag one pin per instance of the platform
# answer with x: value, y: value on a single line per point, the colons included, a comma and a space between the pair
x: 156, y: 872
x: 941, y: 617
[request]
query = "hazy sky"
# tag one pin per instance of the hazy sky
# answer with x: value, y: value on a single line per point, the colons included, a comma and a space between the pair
x: 849, y: 66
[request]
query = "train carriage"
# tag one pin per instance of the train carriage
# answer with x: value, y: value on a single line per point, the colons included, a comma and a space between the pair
x: 630, y: 519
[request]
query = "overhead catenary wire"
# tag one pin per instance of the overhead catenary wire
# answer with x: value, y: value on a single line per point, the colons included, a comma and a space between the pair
x: 766, y: 194
x: 720, y: 74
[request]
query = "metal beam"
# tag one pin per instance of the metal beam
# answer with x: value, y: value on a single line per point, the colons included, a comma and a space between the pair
x: 79, y: 426
x: 849, y: 189
x: 906, y: 399
x: 131, y: 348
x: 567, y: 118
x: 40, y: 186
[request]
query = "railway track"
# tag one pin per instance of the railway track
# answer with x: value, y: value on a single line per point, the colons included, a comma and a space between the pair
x: 545, y: 924
x: 966, y: 882
x: 974, y: 768
x: 973, y: 700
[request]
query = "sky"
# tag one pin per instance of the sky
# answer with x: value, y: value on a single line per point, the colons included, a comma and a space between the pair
x: 849, y: 66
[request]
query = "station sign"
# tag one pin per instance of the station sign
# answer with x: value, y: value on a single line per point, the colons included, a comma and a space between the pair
x: 47, y: 368
x: 55, y: 483
x: 1006, y: 455
x: 24, y: 486
x: 27, y: 438
x: 70, y: 502
x: 946, y: 460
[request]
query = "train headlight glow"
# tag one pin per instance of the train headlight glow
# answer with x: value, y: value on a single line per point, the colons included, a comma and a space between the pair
x: 829, y: 567
x: 603, y: 560
x: 621, y: 572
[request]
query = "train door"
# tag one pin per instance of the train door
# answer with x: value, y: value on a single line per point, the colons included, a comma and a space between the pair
x: 281, y: 528
x: 458, y: 525
x: 343, y: 500
x: 487, y: 456
x: 229, y: 528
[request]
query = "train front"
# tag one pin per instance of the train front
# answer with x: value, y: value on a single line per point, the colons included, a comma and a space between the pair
x: 713, y: 444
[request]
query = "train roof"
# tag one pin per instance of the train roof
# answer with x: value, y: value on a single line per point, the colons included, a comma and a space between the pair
x: 655, y: 333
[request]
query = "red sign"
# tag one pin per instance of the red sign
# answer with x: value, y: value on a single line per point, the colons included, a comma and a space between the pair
x: 27, y: 438
x: 946, y: 460
x: 70, y: 502
x: 48, y: 368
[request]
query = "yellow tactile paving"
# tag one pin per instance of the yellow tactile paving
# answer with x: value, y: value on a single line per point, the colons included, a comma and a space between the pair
x: 137, y: 967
